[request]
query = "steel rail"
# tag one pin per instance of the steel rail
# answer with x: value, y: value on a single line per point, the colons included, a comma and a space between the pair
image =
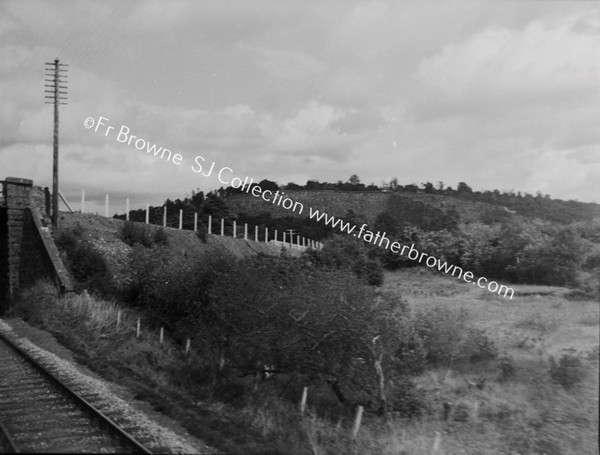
x: 104, y: 421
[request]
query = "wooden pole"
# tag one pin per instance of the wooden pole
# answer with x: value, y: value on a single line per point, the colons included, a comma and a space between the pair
x: 162, y: 335
x: 303, y: 401
x: 180, y: 219
x: 187, y: 346
x: 245, y: 231
x: 210, y: 224
x: 165, y: 216
x: 275, y: 235
x: 357, y: 421
x: 195, y: 221
x: 147, y: 213
x: 222, y: 226
x: 266, y: 234
x: 137, y: 331
x: 256, y: 233
x: 234, y: 229
x: 127, y: 209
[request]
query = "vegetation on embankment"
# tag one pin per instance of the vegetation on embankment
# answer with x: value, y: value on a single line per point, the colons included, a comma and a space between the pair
x: 265, y: 327
x: 459, y: 393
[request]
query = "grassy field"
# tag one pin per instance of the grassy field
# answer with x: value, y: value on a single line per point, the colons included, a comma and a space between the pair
x: 519, y: 403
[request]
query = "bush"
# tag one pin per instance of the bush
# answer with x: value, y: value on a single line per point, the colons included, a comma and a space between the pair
x: 447, y: 338
x: 85, y: 263
x: 136, y: 234
x: 568, y: 371
x: 160, y: 237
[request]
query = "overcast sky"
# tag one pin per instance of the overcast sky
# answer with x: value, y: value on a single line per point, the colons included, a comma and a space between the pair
x: 499, y: 94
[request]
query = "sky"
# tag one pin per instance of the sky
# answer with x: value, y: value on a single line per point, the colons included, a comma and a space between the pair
x: 498, y: 94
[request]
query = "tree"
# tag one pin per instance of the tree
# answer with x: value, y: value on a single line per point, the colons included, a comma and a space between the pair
x: 463, y: 188
x: 428, y: 187
x: 268, y: 185
x: 354, y: 180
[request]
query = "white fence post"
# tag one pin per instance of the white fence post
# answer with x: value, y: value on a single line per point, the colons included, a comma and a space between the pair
x: 357, y: 421
x: 127, y: 209
x: 234, y: 229
x: 256, y: 233
x: 162, y: 335
x: 187, y: 346
x: 165, y: 216
x: 147, y: 213
x: 266, y: 235
x: 222, y: 226
x: 245, y: 231
x: 195, y: 221
x: 137, y: 331
x: 303, y: 401
x: 106, y: 206
x: 210, y: 224
x: 180, y: 219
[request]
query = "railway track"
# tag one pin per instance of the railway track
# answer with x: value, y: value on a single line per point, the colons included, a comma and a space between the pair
x: 39, y: 413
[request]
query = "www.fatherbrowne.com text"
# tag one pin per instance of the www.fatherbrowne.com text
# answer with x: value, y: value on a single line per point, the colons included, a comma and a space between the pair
x: 226, y: 176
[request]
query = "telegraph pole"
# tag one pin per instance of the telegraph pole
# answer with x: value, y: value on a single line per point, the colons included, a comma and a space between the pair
x: 55, y: 70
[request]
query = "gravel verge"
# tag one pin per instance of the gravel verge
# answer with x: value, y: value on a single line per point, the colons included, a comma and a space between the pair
x: 153, y: 435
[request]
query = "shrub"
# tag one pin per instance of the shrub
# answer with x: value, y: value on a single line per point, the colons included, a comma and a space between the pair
x: 160, y: 237
x: 136, y: 234
x: 86, y: 264
x: 568, y: 371
x: 507, y: 368
x: 447, y: 338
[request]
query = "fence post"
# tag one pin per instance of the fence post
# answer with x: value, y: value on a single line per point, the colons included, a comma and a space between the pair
x: 82, y: 200
x: 245, y: 231
x: 357, y: 421
x: 283, y: 243
x: 147, y: 213
x: 266, y: 234
x: 256, y: 233
x: 195, y: 221
x: 222, y: 226
x: 234, y: 229
x: 180, y: 219
x: 127, y: 209
x: 187, y: 346
x: 303, y: 401
x: 165, y: 216
x: 275, y: 236
x: 106, y: 206
x: 210, y: 224
x: 162, y: 335
x: 137, y: 332
x: 436, y: 443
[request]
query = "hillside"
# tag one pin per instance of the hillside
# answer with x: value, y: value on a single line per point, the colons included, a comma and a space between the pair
x: 470, y: 207
x: 104, y: 235
x: 338, y: 203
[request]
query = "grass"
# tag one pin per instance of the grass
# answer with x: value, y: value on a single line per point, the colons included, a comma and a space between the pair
x: 502, y: 406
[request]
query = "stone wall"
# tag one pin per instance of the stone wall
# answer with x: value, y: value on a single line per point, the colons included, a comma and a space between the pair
x: 27, y: 251
x: 17, y: 195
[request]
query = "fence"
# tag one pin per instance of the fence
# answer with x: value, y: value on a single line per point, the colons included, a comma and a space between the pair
x: 220, y: 226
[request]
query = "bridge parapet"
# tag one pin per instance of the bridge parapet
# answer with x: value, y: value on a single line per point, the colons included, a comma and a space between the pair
x: 25, y: 246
